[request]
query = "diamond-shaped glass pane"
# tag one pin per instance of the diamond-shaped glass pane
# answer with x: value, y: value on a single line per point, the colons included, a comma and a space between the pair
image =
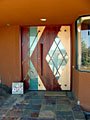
x: 57, y: 58
x: 63, y: 64
x: 66, y: 58
x: 57, y: 40
x: 48, y: 58
x: 60, y: 70
x: 62, y: 49
x: 52, y: 66
x: 52, y: 49
x: 57, y: 75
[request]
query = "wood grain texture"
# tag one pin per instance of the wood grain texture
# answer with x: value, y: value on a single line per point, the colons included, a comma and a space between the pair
x: 47, y: 38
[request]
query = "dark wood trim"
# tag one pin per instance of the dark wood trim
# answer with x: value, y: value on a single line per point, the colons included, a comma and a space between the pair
x: 41, y: 50
x: 21, y: 56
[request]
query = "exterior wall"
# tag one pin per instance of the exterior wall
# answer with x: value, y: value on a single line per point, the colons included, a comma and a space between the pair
x: 80, y: 80
x: 10, y: 58
x: 10, y: 63
x: 84, y: 89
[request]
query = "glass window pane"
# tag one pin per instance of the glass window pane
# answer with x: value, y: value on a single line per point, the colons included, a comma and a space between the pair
x: 52, y: 49
x: 83, y: 37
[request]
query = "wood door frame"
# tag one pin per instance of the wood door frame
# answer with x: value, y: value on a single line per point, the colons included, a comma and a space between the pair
x: 71, y: 48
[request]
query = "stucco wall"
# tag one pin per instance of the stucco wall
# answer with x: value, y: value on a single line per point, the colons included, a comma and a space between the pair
x: 10, y: 58
x: 10, y: 63
x: 80, y: 80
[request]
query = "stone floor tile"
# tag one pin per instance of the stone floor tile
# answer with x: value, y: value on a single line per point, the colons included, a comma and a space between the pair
x: 37, y: 105
x: 10, y: 118
x: 63, y: 107
x: 78, y: 115
x: 34, y: 113
x: 48, y: 107
x: 47, y: 114
x: 36, y: 101
x: 51, y: 101
x: 3, y: 112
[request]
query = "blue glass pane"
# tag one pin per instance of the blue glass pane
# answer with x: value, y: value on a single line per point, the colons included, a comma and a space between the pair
x: 33, y: 84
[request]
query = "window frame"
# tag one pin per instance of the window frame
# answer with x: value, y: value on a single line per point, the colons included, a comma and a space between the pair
x: 76, y: 45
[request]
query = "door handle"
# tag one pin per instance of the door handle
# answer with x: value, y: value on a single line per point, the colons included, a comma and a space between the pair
x: 41, y: 50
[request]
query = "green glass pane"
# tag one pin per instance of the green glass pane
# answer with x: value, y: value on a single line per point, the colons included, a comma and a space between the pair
x: 33, y: 72
x: 33, y: 39
x: 33, y: 47
x: 33, y: 33
x: 33, y: 78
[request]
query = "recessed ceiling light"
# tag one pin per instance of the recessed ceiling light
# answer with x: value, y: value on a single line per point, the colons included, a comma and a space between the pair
x: 43, y: 19
x: 8, y: 24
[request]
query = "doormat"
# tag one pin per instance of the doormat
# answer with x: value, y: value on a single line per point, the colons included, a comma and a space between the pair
x: 55, y: 93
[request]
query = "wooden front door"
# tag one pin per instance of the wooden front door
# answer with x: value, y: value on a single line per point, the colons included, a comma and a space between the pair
x: 46, y: 57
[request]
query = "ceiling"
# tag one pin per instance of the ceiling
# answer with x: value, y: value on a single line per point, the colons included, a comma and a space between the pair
x: 29, y: 12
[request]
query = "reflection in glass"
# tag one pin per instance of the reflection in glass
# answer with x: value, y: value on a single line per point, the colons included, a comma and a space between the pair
x: 57, y: 58
x: 33, y: 72
x: 33, y: 39
x: 62, y: 49
x: 33, y: 78
x: 57, y: 40
x: 52, y: 49
x: 52, y: 66
x: 83, y: 36
x: 34, y: 35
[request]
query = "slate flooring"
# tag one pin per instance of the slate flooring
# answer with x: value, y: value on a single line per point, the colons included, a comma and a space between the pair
x: 37, y: 105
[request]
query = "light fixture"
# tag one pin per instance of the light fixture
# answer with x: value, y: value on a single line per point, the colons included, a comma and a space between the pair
x: 43, y: 19
x: 8, y: 24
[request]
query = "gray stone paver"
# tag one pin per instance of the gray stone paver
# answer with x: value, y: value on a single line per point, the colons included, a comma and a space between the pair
x: 40, y: 106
